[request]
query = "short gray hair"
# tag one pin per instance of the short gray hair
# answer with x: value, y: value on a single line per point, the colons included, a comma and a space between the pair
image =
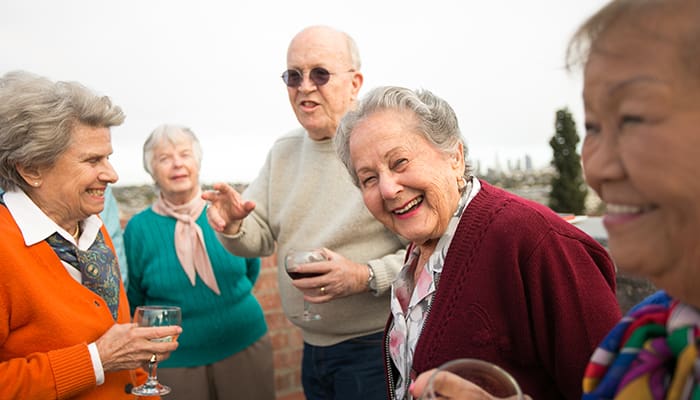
x: 437, y: 121
x: 37, y: 118
x: 354, y: 52
x: 171, y: 134
x: 589, y: 37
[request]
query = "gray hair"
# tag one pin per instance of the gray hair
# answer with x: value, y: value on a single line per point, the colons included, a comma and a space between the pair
x: 353, y: 51
x: 171, y: 134
x: 37, y: 117
x: 587, y: 37
x: 437, y: 121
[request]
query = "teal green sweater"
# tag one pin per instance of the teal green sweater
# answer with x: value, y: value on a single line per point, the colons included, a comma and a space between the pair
x: 213, y: 327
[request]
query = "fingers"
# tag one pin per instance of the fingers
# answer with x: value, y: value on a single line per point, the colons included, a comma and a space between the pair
x: 223, y: 188
x: 337, y: 277
x: 452, y: 386
x: 214, y: 218
x: 127, y: 346
x: 418, y: 386
x: 248, y: 207
x: 227, y: 209
x: 161, y: 333
x: 320, y: 294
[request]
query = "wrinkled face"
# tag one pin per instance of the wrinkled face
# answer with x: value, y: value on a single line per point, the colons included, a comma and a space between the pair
x: 73, y: 188
x: 406, y: 183
x: 320, y: 108
x: 175, y: 170
x: 640, y: 154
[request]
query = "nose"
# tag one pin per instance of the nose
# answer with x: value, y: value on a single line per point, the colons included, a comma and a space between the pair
x: 178, y: 161
x: 306, y: 85
x: 109, y: 174
x: 389, y: 187
x: 601, y: 159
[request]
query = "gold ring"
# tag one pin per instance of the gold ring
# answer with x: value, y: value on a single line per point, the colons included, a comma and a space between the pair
x: 323, y: 290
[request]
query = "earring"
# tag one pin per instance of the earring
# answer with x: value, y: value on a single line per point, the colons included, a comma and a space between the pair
x: 36, y: 183
x: 461, y: 183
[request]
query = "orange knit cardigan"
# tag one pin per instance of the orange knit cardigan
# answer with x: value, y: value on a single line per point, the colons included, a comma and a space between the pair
x: 47, y: 319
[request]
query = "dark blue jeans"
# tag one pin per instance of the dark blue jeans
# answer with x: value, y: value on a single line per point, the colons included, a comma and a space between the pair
x: 349, y: 370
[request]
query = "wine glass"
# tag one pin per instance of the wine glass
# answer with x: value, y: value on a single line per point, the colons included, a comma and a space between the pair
x: 155, y: 316
x: 449, y: 380
x: 291, y: 260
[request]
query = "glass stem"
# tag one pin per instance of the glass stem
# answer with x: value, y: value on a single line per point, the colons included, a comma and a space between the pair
x: 152, y: 373
x: 307, y: 311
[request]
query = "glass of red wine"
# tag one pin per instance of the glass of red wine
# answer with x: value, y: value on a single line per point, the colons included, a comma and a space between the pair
x: 291, y: 261
x: 467, y: 378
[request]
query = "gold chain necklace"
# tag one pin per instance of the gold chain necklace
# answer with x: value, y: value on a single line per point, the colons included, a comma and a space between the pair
x: 76, y: 233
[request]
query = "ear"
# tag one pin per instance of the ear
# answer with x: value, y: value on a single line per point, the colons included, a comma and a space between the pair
x: 31, y: 175
x: 457, y: 159
x: 357, y: 80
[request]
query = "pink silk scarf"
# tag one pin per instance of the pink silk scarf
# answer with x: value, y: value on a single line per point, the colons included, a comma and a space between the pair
x: 189, y: 239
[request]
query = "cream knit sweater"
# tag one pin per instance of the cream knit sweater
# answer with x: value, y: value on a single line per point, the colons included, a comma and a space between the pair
x: 305, y: 199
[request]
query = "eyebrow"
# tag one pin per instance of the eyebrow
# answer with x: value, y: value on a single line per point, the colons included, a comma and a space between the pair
x: 643, y: 79
x: 620, y: 86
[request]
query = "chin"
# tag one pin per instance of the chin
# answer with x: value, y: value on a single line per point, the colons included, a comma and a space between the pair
x: 632, y: 261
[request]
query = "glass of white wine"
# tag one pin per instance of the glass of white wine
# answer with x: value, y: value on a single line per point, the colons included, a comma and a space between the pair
x: 467, y: 378
x: 155, y: 316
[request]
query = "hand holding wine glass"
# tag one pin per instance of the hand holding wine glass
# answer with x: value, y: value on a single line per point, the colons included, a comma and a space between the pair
x: 291, y: 262
x: 467, y: 378
x: 156, y: 316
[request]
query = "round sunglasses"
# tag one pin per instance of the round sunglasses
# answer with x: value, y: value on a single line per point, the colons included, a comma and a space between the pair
x: 318, y: 75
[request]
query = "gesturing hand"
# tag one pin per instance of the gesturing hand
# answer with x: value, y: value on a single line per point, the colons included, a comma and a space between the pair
x: 227, y: 209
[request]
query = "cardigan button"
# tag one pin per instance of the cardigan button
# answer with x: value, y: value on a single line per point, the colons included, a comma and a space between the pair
x: 128, y: 387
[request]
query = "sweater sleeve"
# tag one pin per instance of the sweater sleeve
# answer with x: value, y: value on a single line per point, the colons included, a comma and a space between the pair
x: 58, y: 374
x: 386, y: 268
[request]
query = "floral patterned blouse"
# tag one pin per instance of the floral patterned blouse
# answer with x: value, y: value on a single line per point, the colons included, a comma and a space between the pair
x: 410, y: 305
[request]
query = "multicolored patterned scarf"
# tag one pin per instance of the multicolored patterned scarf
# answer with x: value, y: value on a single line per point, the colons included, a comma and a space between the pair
x: 98, y: 267
x: 652, y: 353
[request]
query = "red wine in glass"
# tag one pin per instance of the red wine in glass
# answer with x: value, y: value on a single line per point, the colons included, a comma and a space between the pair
x: 294, y: 258
x: 301, y: 275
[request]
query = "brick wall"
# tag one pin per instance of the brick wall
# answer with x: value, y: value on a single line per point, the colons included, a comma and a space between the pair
x: 286, y: 338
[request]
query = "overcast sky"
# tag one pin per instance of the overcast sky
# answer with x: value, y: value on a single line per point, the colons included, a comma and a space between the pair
x: 215, y: 66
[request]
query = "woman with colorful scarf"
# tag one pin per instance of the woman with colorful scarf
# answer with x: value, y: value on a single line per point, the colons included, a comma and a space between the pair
x: 175, y: 259
x: 642, y: 100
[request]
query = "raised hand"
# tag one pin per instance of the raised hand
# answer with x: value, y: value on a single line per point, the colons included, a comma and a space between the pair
x: 226, y: 209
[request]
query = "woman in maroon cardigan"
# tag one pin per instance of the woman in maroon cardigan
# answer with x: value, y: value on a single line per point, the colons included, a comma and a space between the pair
x: 488, y: 275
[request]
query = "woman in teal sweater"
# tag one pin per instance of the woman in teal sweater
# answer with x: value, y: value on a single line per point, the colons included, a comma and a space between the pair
x: 175, y: 259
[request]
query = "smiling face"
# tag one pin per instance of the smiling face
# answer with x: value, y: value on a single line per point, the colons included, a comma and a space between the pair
x: 73, y: 188
x: 176, y: 170
x: 406, y: 183
x: 320, y: 108
x: 640, y: 153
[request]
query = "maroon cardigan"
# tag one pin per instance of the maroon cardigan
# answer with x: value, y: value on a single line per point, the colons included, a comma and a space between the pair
x: 523, y: 289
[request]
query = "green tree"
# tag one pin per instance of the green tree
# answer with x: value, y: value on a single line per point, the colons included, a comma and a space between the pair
x: 568, y: 194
